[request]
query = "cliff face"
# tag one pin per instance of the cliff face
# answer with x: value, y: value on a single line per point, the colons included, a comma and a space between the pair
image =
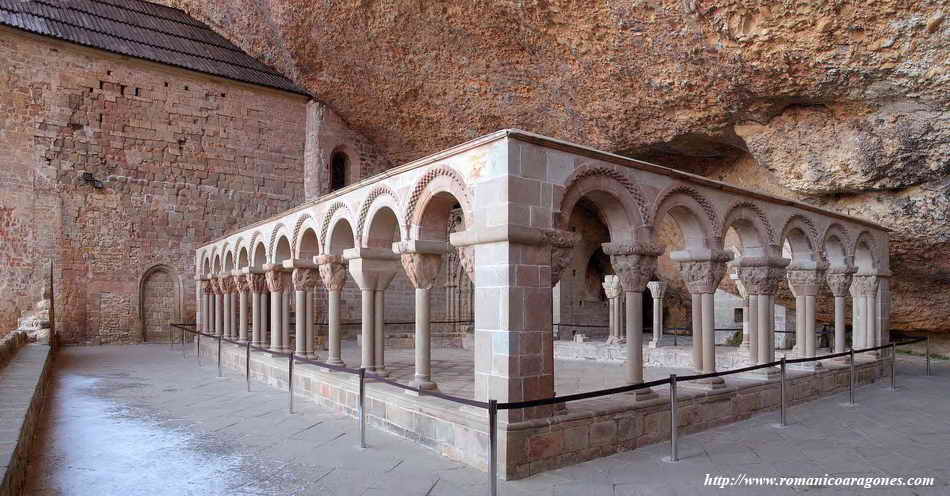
x: 843, y: 104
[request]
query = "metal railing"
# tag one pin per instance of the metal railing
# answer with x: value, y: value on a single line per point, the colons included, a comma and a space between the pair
x: 493, y: 407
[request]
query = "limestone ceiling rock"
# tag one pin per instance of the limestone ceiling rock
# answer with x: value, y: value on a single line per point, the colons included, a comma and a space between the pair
x: 418, y: 76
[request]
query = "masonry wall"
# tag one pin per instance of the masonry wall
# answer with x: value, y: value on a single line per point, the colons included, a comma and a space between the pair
x: 183, y: 158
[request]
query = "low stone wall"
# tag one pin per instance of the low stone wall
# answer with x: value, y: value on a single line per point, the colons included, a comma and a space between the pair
x: 612, y: 424
x: 9, y: 344
x: 583, y: 431
x: 663, y: 356
x: 23, y: 389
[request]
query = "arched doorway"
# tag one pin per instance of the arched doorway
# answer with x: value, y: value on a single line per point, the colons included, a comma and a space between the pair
x: 159, y: 303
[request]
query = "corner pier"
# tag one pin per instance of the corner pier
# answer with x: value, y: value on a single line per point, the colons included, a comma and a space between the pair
x: 517, y: 191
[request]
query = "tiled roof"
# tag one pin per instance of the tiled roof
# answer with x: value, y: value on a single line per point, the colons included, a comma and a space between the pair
x: 144, y: 30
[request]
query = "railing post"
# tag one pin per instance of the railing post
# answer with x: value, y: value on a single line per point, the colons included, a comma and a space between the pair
x: 927, y: 352
x: 219, y: 356
x: 893, y: 365
x: 674, y: 419
x: 362, y: 407
x: 851, y: 380
x: 782, y: 391
x: 247, y: 364
x: 493, y: 446
x: 198, y: 348
x: 290, y: 380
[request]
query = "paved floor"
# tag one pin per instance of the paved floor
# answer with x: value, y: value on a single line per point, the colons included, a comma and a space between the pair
x: 142, y: 420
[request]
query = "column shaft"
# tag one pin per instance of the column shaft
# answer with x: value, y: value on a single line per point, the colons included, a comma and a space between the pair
x: 696, y: 307
x: 870, y: 320
x: 765, y: 336
x: 657, y: 320
x: 367, y: 322
x: 771, y: 329
x: 810, y: 337
x: 309, y: 347
x: 275, y: 315
x: 242, y: 316
x: 839, y: 324
x: 333, y: 323
x: 218, y: 314
x: 301, y: 317
x: 753, y: 320
x: 285, y: 321
x: 379, y: 338
x: 800, y: 319
x: 423, y: 376
x: 634, y: 306
x: 265, y: 319
x: 709, y: 333
x: 256, y: 319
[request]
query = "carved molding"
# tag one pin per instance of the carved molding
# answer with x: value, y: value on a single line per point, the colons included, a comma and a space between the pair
x: 804, y: 282
x: 657, y: 289
x: 865, y: 284
x: 332, y: 271
x: 634, y: 262
x: 277, y: 281
x: 257, y: 283
x: 304, y: 279
x: 422, y: 268
x: 612, y: 286
x: 839, y: 280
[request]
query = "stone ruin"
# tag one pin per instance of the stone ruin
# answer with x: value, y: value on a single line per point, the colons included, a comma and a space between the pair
x: 35, y: 322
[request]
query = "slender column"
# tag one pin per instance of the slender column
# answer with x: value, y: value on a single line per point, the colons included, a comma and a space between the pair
x: 379, y: 301
x: 857, y: 310
x: 303, y: 279
x: 276, y: 283
x: 367, y: 323
x: 333, y: 275
x: 206, y: 293
x: 696, y: 311
x: 750, y: 321
x: 310, y: 346
x: 219, y: 309
x: 256, y: 283
x: 761, y: 277
x: 612, y: 289
x: 804, y: 279
x: 867, y: 288
x: 226, y: 287
x: 244, y: 289
x: 703, y: 271
x: 635, y: 264
x: 265, y: 316
x: 657, y: 288
x: 766, y: 337
x: 422, y: 264
x: 285, y: 320
x: 709, y: 333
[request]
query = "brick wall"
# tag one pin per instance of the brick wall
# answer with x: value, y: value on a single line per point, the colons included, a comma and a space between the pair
x: 183, y: 158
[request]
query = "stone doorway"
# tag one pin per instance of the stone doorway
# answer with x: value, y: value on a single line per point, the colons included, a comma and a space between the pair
x: 159, y: 304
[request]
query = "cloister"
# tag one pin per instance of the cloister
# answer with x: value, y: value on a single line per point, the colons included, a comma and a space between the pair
x: 517, y: 192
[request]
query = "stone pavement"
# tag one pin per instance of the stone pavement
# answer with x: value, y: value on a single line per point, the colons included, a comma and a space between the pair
x: 143, y: 420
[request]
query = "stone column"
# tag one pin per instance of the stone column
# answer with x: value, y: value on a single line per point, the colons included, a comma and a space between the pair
x: 613, y: 289
x: 839, y: 281
x: 657, y: 289
x: 310, y: 346
x: 748, y: 347
x: 333, y: 275
x: 219, y: 307
x: 702, y: 272
x: 207, y: 293
x: 867, y: 289
x: 884, y: 306
x: 804, y: 279
x: 857, y: 326
x: 257, y: 285
x: 761, y: 277
x: 422, y: 260
x: 243, y: 289
x: 379, y: 304
x: 276, y: 284
x: 285, y: 299
x: 303, y: 278
x: 226, y: 298
x: 635, y: 264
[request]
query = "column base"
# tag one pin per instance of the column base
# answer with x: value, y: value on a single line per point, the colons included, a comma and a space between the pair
x: 381, y: 371
x: 653, y: 344
x: 766, y: 374
x: 310, y: 356
x: 810, y: 366
x: 643, y: 395
x: 423, y: 384
x: 707, y: 384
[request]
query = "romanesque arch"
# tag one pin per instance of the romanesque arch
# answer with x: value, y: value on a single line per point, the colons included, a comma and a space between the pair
x: 442, y: 186
x: 160, y: 297
x: 617, y: 198
x: 695, y: 216
x: 802, y: 237
x: 836, y: 245
x: 752, y: 227
x: 380, y: 200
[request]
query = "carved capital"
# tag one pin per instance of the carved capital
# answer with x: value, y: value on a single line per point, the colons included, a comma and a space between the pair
x: 657, y: 288
x: 839, y: 279
x: 277, y: 281
x: 332, y: 271
x: 215, y: 284
x: 422, y: 268
x: 633, y: 262
x: 612, y: 286
x: 804, y: 282
x: 256, y: 283
x: 207, y: 287
x: 240, y: 284
x: 761, y: 276
x: 865, y: 284
x: 702, y: 276
x: 467, y: 259
x: 304, y: 279
x: 562, y: 251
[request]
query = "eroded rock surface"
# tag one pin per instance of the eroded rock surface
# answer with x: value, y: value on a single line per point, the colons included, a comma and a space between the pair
x: 843, y: 104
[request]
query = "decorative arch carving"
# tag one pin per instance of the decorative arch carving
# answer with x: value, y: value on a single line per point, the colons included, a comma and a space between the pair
x: 765, y: 226
x: 709, y: 211
x: 279, y: 229
x: 328, y: 216
x: 377, y: 192
x: 808, y: 227
x: 458, y: 183
x: 841, y: 232
x: 298, y: 232
x: 611, y: 172
x: 252, y: 246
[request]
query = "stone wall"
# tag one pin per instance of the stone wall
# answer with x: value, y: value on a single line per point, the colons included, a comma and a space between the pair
x: 23, y: 387
x: 182, y: 158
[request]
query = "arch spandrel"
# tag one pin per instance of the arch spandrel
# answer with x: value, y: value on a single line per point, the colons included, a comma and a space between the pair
x: 440, y: 179
x: 379, y: 198
x: 694, y: 214
x: 865, y: 253
x: 618, y: 199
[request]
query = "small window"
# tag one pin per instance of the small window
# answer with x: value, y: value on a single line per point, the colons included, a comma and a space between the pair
x: 737, y: 315
x: 339, y: 170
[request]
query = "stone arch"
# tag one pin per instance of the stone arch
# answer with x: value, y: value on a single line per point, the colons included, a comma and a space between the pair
x: 306, y: 243
x: 205, y: 267
x: 435, y: 183
x: 696, y: 217
x: 243, y: 255
x: 279, y: 231
x: 613, y: 194
x: 341, y: 236
x: 160, y: 298
x: 216, y: 262
x: 864, y: 251
x: 752, y: 225
x: 229, y: 257
x: 258, y: 249
x: 802, y: 236
x: 836, y: 245
x: 380, y: 197
x: 617, y: 180
x: 334, y: 213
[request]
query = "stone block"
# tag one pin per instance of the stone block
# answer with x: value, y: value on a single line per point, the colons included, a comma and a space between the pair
x: 603, y: 432
x: 545, y: 445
